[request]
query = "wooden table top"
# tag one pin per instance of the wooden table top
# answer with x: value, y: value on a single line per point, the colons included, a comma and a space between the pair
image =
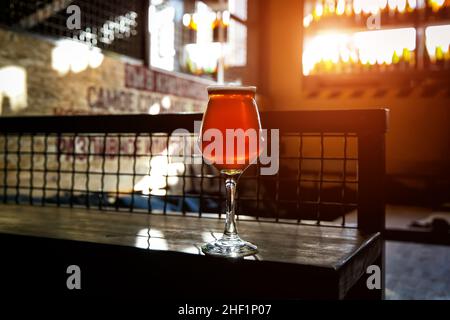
x: 343, y: 251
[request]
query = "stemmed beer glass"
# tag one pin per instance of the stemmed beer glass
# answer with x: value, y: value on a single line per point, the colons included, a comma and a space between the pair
x: 230, y: 140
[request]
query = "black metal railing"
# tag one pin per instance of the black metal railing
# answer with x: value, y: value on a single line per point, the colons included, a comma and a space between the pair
x: 331, y: 164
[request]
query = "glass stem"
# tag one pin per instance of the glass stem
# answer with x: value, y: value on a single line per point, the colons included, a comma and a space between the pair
x: 230, y: 220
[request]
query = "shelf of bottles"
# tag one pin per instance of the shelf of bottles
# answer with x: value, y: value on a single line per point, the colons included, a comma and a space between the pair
x: 204, y: 33
x: 376, y: 36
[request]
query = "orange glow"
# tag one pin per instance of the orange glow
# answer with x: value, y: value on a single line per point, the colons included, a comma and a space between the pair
x: 368, y: 47
x: 357, y: 7
x: 436, y: 5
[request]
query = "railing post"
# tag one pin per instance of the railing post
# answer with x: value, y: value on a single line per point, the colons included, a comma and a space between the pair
x: 371, y: 181
x: 371, y: 196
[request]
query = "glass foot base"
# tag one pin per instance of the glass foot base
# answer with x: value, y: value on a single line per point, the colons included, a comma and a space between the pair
x: 232, y: 248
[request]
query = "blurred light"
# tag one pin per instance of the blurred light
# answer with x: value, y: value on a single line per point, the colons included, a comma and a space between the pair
x: 235, y: 51
x: 324, y: 47
x: 13, y: 84
x: 364, y: 47
x: 319, y: 9
x: 345, y: 56
x: 437, y: 37
x: 226, y: 17
x: 307, y: 20
x: 75, y: 56
x: 238, y: 8
x: 357, y: 6
x: 154, y: 108
x: 119, y: 27
x: 392, y: 4
x: 166, y: 102
x: 79, y: 63
x: 412, y: 4
x: 95, y: 58
x: 383, y: 3
x: 162, y: 37
x: 436, y: 4
x: 340, y: 8
x: 369, y: 6
x: 143, y: 185
x: 186, y: 19
x: 401, y: 6
x: 195, y: 18
x: 202, y: 57
x: 349, y: 7
x: 374, y: 44
x: 204, y: 19
x: 163, y: 173
x: 151, y: 238
x: 330, y: 5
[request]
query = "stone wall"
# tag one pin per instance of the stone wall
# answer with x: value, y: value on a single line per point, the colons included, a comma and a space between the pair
x: 33, y: 83
x: 93, y: 90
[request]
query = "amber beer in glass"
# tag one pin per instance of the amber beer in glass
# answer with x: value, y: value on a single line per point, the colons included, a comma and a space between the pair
x: 231, y: 124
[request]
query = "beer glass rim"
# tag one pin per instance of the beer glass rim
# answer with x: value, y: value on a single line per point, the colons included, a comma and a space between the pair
x: 217, y: 88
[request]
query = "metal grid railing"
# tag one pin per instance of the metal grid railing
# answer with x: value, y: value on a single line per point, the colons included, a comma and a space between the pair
x: 148, y: 172
x: 317, y: 181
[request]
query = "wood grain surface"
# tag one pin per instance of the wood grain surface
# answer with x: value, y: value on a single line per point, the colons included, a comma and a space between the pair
x: 339, y: 254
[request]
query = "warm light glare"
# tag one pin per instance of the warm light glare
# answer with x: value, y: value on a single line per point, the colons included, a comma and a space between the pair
x: 366, y: 7
x: 325, y: 47
x: 383, y: 3
x: 392, y: 4
x: 151, y: 238
x: 195, y: 18
x: 203, y: 57
x: 437, y: 3
x: 166, y: 102
x: 163, y: 173
x: 357, y: 6
x: 437, y: 39
x: 401, y: 5
x: 226, y: 18
x: 13, y: 85
x: 307, y: 20
x: 204, y: 20
x: 95, y: 58
x: 162, y: 37
x: 154, y: 108
x: 319, y: 9
x: 186, y: 19
x: 368, y: 47
x: 382, y: 43
x: 75, y: 56
x: 412, y: 4
x: 340, y: 8
x: 369, y: 6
